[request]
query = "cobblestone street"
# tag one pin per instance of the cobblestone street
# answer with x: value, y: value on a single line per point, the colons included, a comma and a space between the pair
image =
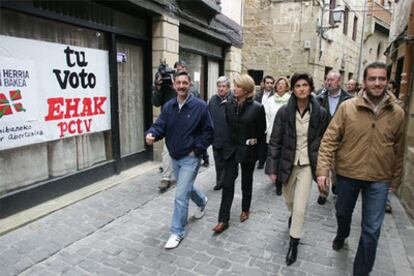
x: 123, y: 230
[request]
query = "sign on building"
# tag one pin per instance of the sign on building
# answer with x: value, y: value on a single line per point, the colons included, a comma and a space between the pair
x: 51, y: 91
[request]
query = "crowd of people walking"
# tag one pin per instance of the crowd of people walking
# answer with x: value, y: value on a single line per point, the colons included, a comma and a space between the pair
x: 350, y: 142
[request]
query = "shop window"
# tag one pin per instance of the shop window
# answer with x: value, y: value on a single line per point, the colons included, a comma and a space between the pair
x: 198, y: 45
x: 195, y: 68
x: 60, y: 156
x: 203, y: 59
x: 213, y: 75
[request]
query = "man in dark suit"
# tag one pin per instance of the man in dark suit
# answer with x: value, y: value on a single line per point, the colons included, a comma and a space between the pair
x: 262, y: 97
x: 216, y: 106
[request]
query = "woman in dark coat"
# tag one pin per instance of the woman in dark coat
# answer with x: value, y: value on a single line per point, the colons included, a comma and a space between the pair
x: 246, y: 124
x: 292, y: 154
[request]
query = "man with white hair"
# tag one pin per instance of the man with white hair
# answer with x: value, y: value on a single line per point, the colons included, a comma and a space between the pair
x: 216, y: 107
x: 331, y: 98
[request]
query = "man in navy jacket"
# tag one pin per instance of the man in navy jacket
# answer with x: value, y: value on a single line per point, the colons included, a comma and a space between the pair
x: 186, y: 124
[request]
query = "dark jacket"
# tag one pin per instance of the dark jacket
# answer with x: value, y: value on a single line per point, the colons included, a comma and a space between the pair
x: 216, y: 106
x: 185, y: 130
x: 161, y: 96
x: 259, y: 96
x: 246, y: 121
x: 282, y: 144
x: 324, y: 101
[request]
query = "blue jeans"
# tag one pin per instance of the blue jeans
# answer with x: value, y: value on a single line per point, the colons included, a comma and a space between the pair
x: 185, y: 170
x: 374, y: 195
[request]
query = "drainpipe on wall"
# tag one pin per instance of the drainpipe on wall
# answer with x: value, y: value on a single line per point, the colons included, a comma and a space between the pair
x: 321, y: 34
x: 361, y: 46
x: 409, y: 47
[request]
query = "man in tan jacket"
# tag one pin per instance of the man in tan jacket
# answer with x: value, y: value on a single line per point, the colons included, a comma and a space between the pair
x: 366, y: 139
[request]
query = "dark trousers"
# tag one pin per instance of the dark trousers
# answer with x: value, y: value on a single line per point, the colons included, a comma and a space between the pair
x: 230, y: 175
x: 262, y: 153
x: 278, y: 184
x: 220, y: 164
x: 205, y: 157
x: 374, y: 196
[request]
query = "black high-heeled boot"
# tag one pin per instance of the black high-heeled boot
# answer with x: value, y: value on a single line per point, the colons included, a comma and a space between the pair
x: 293, y: 251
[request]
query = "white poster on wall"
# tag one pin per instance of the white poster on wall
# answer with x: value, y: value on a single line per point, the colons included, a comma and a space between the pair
x: 51, y: 91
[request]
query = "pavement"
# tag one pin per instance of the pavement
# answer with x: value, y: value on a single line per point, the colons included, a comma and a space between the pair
x: 122, y: 229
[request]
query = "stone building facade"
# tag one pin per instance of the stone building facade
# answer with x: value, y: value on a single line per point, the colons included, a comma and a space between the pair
x: 376, y: 31
x: 400, y: 59
x: 282, y: 37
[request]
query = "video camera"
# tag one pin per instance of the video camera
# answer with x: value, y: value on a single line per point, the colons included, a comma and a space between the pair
x: 165, y: 73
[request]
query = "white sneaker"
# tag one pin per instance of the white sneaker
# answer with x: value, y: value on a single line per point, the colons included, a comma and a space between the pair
x: 173, y: 241
x: 201, y: 211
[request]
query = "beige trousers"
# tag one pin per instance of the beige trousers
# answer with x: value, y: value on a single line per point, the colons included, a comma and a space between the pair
x: 296, y: 193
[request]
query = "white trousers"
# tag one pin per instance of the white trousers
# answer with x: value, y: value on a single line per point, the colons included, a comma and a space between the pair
x: 297, y: 193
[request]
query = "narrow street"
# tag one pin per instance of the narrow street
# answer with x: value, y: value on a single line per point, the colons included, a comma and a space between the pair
x: 122, y: 231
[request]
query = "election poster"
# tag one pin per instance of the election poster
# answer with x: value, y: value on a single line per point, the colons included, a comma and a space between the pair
x: 51, y: 91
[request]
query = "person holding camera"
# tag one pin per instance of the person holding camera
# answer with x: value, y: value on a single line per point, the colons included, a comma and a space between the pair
x: 162, y: 92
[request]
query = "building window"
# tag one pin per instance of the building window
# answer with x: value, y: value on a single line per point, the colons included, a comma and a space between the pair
x: 327, y: 69
x: 379, y: 50
x: 332, y: 5
x: 346, y: 15
x: 342, y: 73
x: 257, y: 75
x: 350, y: 76
x: 354, y: 32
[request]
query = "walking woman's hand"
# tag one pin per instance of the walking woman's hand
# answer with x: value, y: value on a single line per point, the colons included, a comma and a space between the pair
x: 273, y: 177
x: 323, y: 183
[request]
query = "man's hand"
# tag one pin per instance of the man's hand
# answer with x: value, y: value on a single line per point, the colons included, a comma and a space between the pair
x: 392, y: 189
x: 149, y: 139
x: 273, y: 177
x: 323, y: 183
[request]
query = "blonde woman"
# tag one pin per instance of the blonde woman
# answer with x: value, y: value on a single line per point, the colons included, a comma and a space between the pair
x: 280, y: 98
x: 246, y: 123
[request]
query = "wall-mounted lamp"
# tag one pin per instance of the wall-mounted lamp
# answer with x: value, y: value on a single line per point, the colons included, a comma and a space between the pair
x: 336, y: 18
